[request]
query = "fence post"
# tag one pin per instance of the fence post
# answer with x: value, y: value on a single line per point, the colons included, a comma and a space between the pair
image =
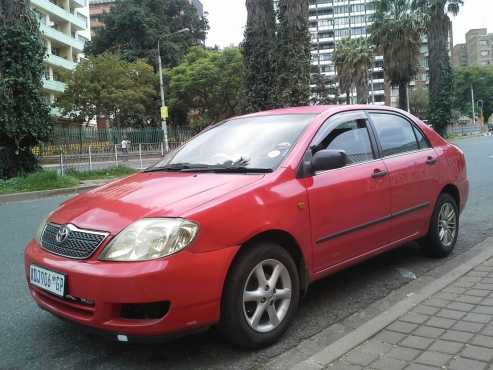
x: 162, y: 149
x: 116, y: 155
x: 140, y: 156
x: 90, y: 159
x: 62, y: 172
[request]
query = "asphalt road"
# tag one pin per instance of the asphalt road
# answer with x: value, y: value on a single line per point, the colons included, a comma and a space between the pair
x: 33, y: 339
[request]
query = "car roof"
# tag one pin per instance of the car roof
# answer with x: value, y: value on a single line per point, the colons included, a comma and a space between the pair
x: 320, y: 109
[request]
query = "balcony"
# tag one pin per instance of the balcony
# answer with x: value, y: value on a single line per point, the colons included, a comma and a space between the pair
x: 60, y: 62
x: 79, y: 3
x: 62, y: 38
x: 60, y: 14
x: 54, y: 86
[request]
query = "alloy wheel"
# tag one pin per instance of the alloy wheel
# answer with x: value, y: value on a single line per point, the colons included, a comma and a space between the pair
x: 267, y: 295
x: 447, y: 224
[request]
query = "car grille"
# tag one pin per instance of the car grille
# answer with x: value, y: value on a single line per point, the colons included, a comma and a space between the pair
x: 80, y: 244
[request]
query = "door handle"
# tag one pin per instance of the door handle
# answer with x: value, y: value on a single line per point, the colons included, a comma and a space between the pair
x: 377, y: 173
x: 431, y: 161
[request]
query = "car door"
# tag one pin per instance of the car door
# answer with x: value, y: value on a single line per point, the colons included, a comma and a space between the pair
x: 411, y: 162
x: 349, y: 205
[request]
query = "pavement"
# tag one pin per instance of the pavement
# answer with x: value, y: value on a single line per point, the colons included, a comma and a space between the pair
x: 333, y: 308
x: 446, y: 325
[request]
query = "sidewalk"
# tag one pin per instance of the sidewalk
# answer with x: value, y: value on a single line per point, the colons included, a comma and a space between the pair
x: 447, y: 325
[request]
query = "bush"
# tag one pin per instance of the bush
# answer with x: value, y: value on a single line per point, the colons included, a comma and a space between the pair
x: 43, y: 180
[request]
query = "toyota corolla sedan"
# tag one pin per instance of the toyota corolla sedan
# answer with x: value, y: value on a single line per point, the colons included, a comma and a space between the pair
x: 231, y: 229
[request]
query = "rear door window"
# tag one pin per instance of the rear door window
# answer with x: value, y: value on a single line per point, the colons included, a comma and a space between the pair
x: 395, y: 133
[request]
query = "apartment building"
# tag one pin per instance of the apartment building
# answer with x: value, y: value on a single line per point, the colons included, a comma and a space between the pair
x: 459, y: 55
x: 64, y: 25
x: 333, y: 20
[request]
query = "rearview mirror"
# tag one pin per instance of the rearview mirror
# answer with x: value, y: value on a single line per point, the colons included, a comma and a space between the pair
x: 325, y: 160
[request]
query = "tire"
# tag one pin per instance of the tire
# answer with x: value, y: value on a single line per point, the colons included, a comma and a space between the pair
x: 239, y: 324
x: 438, y: 244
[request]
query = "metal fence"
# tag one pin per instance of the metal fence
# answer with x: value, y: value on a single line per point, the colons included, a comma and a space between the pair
x: 85, y: 149
x: 463, y: 130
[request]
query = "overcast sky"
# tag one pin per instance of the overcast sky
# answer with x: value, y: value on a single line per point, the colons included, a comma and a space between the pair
x: 227, y: 20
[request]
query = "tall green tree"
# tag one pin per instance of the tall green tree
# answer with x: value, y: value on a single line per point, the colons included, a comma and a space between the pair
x: 419, y: 102
x: 109, y: 86
x: 441, y: 81
x: 353, y: 58
x: 481, y: 79
x: 293, y: 54
x: 258, y: 49
x: 24, y: 115
x: 133, y: 28
x: 207, y: 86
x: 397, y: 31
x: 322, y: 90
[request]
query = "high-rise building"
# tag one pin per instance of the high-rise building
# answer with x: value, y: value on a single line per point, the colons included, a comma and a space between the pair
x: 477, y: 51
x: 333, y: 20
x: 64, y: 25
x: 97, y: 9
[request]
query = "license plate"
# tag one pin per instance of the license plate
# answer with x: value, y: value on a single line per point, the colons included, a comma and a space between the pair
x: 50, y: 281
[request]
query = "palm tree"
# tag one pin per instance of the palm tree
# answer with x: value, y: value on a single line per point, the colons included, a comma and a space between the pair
x: 397, y: 31
x: 352, y: 59
x: 438, y: 30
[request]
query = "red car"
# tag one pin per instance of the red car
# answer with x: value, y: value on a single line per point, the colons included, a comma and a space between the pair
x: 231, y: 228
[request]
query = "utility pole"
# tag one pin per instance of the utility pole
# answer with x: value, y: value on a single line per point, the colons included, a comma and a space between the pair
x: 164, y: 110
x: 473, y: 107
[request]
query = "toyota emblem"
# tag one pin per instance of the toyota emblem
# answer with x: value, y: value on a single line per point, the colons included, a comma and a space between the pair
x: 62, y: 234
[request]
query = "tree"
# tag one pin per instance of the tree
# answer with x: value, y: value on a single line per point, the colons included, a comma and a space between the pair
x: 481, y: 79
x: 441, y: 83
x: 397, y: 31
x: 24, y: 115
x: 352, y: 58
x: 133, y: 28
x: 109, y: 86
x: 419, y: 102
x: 293, y: 54
x: 258, y: 49
x: 208, y: 85
x: 323, y: 89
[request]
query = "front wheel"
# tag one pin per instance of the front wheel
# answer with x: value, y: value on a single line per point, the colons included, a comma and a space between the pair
x: 444, y: 228
x: 260, y: 297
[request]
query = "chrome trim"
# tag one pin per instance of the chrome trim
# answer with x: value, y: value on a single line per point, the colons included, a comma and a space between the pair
x: 72, y: 227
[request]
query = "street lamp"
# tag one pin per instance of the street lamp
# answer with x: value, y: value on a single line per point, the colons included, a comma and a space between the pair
x: 161, y: 84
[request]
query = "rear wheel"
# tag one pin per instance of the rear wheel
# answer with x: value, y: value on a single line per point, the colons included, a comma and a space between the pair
x: 260, y: 297
x: 444, y: 228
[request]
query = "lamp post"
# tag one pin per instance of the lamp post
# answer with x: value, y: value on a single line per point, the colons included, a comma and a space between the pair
x: 473, y: 106
x: 161, y: 85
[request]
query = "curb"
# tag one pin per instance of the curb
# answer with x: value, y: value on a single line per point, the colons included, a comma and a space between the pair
x: 358, y: 336
x: 18, y: 197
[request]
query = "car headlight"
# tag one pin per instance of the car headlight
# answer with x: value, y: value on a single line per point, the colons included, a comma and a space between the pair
x: 149, y: 239
x: 41, y: 228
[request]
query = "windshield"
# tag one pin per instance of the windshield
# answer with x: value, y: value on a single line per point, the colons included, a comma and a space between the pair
x: 259, y: 143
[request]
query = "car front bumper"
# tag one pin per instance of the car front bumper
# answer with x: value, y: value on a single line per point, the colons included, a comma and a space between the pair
x: 97, y: 291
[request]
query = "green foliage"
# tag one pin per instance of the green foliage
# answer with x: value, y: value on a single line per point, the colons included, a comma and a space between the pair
x: 109, y: 173
x: 207, y: 85
x: 24, y: 115
x: 42, y: 180
x: 292, y: 54
x: 134, y: 27
x: 324, y: 88
x: 397, y: 30
x: 352, y: 58
x: 259, y: 49
x: 481, y: 78
x: 108, y: 86
x: 438, y: 28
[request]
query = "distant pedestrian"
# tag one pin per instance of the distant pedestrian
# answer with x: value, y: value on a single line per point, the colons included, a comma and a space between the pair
x: 125, y: 144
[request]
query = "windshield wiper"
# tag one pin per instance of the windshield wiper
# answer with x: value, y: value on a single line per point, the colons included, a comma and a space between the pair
x: 177, y: 167
x: 225, y: 169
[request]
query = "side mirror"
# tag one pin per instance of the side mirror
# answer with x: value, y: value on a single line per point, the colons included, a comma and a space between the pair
x: 325, y: 160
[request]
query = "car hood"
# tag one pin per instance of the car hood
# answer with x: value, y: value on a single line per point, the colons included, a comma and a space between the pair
x: 114, y: 206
